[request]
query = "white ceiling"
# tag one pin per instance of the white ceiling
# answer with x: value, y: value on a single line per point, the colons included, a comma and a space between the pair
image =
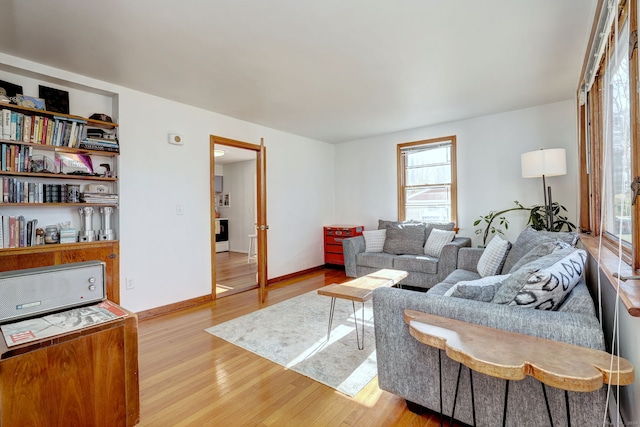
x: 333, y: 70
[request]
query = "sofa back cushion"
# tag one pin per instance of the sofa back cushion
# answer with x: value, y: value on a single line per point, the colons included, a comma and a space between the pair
x: 405, y: 238
x: 529, y: 239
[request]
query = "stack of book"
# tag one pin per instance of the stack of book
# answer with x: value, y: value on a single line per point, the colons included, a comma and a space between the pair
x: 102, y: 198
x: 100, y: 140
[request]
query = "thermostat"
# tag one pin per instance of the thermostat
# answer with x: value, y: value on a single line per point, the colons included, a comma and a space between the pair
x: 176, y: 139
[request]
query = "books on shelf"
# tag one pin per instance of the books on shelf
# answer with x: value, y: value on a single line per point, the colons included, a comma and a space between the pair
x: 17, y: 232
x: 102, y: 198
x: 56, y: 131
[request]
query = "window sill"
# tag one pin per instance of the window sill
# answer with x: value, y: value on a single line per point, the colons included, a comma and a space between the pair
x: 629, y: 290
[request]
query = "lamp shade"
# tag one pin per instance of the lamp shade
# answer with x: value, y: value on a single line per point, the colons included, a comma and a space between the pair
x: 552, y: 162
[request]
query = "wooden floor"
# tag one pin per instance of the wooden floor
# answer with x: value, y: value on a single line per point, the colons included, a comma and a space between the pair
x: 191, y: 378
x: 234, y: 274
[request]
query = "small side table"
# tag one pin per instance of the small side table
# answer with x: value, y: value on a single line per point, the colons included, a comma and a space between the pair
x: 513, y: 356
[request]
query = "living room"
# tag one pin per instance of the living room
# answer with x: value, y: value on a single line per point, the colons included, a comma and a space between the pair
x: 310, y: 182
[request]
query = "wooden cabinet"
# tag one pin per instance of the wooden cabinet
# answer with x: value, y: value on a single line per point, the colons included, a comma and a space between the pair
x: 87, y: 377
x: 333, y: 237
x: 54, y: 254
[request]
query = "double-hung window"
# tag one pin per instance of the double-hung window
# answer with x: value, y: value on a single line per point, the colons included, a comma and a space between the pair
x: 427, y: 180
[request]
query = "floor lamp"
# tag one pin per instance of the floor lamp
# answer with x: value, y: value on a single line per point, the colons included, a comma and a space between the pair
x: 543, y: 163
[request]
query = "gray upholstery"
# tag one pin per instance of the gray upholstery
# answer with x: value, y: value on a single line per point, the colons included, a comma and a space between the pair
x: 423, y: 271
x: 409, y: 368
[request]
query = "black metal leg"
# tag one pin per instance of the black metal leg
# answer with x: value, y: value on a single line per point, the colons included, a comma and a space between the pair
x: 455, y: 396
x: 333, y: 306
x: 473, y: 401
x: 355, y: 319
x: 546, y: 401
x: 506, y: 399
x: 440, y: 372
x: 566, y: 402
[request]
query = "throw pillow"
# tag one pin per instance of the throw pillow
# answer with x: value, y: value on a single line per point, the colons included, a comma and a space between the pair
x: 537, y: 252
x: 511, y: 286
x: 546, y: 289
x: 447, y: 226
x: 529, y: 239
x: 493, y: 256
x: 404, y: 238
x: 374, y: 240
x: 478, y: 290
x: 437, y: 239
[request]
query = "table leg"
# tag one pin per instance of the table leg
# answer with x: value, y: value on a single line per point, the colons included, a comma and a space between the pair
x: 566, y: 402
x: 440, y: 372
x: 355, y: 319
x: 506, y: 399
x: 455, y: 396
x: 473, y: 400
x: 333, y: 307
x: 546, y: 401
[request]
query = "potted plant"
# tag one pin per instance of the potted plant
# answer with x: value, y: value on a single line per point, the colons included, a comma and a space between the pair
x: 537, y: 220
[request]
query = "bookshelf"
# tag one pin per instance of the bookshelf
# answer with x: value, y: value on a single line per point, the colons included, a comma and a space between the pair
x: 43, y: 157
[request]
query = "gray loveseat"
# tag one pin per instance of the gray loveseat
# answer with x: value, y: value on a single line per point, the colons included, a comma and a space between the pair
x: 423, y: 271
x: 409, y: 368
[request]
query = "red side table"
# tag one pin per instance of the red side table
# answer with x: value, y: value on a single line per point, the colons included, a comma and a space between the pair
x: 333, y: 237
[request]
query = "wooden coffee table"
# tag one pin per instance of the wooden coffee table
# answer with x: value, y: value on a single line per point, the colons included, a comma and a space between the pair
x: 513, y: 356
x: 361, y: 290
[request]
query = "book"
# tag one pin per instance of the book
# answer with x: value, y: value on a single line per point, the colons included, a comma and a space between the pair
x: 26, y: 129
x: 6, y: 123
x: 5, y: 231
x: 14, y: 125
x: 12, y: 231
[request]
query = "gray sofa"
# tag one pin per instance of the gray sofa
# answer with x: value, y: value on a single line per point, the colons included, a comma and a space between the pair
x: 409, y: 368
x: 423, y: 271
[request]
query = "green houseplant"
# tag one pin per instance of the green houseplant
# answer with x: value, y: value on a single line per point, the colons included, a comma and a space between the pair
x: 537, y: 220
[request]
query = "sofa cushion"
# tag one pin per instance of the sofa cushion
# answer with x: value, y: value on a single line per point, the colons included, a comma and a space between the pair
x: 479, y: 290
x: 416, y: 263
x: 460, y: 275
x: 543, y: 249
x: 437, y: 240
x: 546, y: 289
x: 374, y: 260
x: 405, y: 238
x: 374, y: 240
x: 531, y: 238
x: 493, y: 256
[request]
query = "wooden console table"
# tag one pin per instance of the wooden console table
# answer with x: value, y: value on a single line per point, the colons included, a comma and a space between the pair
x: 87, y: 377
x: 513, y: 356
x: 361, y: 290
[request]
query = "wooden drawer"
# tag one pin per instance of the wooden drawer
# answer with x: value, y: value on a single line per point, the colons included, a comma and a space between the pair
x: 333, y: 258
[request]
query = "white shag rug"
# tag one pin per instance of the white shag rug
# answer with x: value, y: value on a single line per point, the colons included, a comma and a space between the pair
x: 293, y: 333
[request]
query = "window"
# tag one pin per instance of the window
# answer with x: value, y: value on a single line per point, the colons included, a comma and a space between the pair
x: 427, y: 180
x: 608, y: 134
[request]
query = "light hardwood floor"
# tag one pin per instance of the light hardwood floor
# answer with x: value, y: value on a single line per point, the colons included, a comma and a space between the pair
x: 191, y: 378
x: 234, y: 274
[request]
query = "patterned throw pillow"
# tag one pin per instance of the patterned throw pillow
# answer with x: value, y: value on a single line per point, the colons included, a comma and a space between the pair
x: 493, y: 257
x: 374, y: 240
x: 479, y: 290
x: 437, y: 239
x: 546, y: 289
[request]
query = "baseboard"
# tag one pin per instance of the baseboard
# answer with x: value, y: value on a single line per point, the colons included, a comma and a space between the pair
x: 293, y: 275
x: 165, y: 309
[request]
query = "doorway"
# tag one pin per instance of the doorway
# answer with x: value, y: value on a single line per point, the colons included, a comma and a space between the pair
x: 238, y: 217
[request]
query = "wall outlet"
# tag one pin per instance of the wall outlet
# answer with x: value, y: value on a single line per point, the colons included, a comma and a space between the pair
x: 130, y: 284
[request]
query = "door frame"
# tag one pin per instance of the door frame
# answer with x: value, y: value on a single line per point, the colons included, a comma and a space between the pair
x: 261, y: 204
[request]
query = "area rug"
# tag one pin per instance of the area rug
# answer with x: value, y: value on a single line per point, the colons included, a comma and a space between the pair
x: 293, y: 334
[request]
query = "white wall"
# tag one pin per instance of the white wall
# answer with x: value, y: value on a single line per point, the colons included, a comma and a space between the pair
x: 240, y: 183
x: 488, y: 160
x: 168, y: 255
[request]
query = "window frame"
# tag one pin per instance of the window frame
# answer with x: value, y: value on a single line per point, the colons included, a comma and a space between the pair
x: 401, y: 172
x: 591, y: 139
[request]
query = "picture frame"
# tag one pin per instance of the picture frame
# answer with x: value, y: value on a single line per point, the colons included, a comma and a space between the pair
x: 9, y: 91
x: 31, y: 102
x: 57, y: 100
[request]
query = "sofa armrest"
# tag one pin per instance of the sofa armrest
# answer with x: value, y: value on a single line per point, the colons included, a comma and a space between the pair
x: 350, y: 248
x: 468, y: 259
x: 448, y: 260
